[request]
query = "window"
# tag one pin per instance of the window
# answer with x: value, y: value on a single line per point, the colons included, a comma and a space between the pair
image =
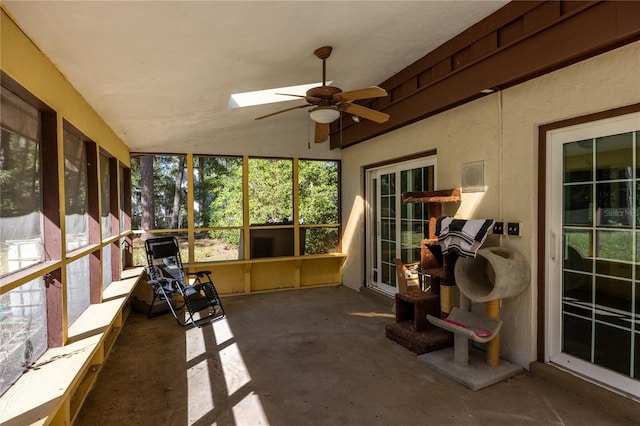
x: 105, y: 196
x: 31, y: 228
x: 23, y: 314
x: 414, y: 217
x: 221, y: 192
x: 271, y: 207
x: 318, y: 194
x: 126, y: 252
x: 105, y: 219
x: 159, y: 200
x: 125, y: 199
x: 75, y: 187
x: 78, y: 288
x: 107, y: 259
x: 160, y: 192
x: 270, y: 191
x: 218, y: 203
x: 20, y: 197
x: 23, y: 339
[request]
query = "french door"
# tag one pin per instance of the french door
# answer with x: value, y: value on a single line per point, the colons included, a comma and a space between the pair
x: 593, y: 251
x: 395, y: 229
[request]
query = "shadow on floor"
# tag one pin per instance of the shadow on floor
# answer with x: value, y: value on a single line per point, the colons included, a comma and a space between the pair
x: 308, y: 357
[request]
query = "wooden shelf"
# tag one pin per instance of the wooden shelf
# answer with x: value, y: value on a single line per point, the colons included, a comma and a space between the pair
x: 266, y: 274
x: 442, y: 196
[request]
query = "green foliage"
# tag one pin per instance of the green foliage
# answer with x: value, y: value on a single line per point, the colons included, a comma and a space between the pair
x: 75, y: 175
x: 218, y: 196
x: 165, y: 172
x: 321, y: 240
x: 270, y: 190
x: 19, y: 175
x: 318, y: 191
x: 221, y: 192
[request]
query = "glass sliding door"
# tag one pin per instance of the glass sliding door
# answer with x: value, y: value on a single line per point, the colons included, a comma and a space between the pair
x: 387, y: 225
x: 395, y: 229
x: 414, y: 217
x: 594, y: 251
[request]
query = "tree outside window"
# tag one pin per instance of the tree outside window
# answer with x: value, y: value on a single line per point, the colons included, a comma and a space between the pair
x: 218, y: 204
x: 318, y: 194
x: 159, y: 200
x: 159, y: 204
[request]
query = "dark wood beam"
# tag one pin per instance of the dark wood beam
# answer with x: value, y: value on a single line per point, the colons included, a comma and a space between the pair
x: 519, y: 42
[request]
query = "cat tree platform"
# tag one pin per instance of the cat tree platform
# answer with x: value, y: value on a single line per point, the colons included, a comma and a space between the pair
x: 412, y: 329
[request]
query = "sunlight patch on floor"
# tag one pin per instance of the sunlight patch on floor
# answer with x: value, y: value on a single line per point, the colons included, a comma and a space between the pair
x: 234, y: 369
x: 222, y: 331
x: 195, y: 343
x: 198, y: 391
x: 221, y: 361
x: 249, y: 411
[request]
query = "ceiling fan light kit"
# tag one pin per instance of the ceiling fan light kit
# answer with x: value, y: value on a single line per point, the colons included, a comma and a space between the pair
x: 324, y: 115
x: 330, y: 101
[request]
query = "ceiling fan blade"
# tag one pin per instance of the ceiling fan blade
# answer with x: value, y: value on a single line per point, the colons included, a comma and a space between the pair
x: 290, y: 94
x: 322, y: 132
x: 310, y: 99
x: 364, y: 112
x: 354, y: 95
x: 281, y: 111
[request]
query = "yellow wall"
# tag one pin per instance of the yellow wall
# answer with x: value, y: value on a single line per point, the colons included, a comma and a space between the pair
x: 502, y: 130
x: 21, y: 60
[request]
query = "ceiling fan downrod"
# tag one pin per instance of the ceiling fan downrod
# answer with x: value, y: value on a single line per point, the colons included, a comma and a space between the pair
x: 323, y: 53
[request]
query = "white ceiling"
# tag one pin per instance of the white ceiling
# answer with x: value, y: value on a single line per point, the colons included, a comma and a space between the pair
x: 160, y: 73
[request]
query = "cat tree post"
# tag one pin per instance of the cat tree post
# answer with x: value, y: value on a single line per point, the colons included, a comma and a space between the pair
x: 492, y: 310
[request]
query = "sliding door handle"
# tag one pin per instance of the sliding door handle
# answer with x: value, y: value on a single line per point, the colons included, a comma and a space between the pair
x: 553, y: 248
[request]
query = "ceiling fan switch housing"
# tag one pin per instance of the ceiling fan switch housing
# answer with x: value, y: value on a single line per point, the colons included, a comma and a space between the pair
x: 323, y: 52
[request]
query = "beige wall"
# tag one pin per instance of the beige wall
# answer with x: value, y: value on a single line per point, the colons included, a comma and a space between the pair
x: 502, y: 130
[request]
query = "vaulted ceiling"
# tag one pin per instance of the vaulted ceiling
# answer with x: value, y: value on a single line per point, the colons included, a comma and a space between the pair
x: 160, y: 73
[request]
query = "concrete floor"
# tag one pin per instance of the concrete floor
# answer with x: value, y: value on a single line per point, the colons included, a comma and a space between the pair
x: 309, y: 357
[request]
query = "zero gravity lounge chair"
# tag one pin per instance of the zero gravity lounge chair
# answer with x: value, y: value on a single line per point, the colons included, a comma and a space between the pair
x: 199, y: 299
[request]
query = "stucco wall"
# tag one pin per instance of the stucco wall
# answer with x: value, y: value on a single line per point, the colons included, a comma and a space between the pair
x: 500, y: 129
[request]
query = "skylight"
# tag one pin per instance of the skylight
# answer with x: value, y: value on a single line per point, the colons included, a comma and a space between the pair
x: 269, y: 96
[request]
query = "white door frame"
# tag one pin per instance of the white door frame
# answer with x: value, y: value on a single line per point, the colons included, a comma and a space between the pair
x: 372, y: 264
x: 553, y: 250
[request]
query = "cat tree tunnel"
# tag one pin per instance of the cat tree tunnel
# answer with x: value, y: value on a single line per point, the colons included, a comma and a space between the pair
x: 496, y: 273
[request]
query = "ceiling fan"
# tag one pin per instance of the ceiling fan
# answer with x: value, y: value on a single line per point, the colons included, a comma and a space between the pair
x: 329, y: 101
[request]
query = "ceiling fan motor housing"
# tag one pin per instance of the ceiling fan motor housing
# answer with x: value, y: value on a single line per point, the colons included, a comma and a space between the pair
x: 324, y: 93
